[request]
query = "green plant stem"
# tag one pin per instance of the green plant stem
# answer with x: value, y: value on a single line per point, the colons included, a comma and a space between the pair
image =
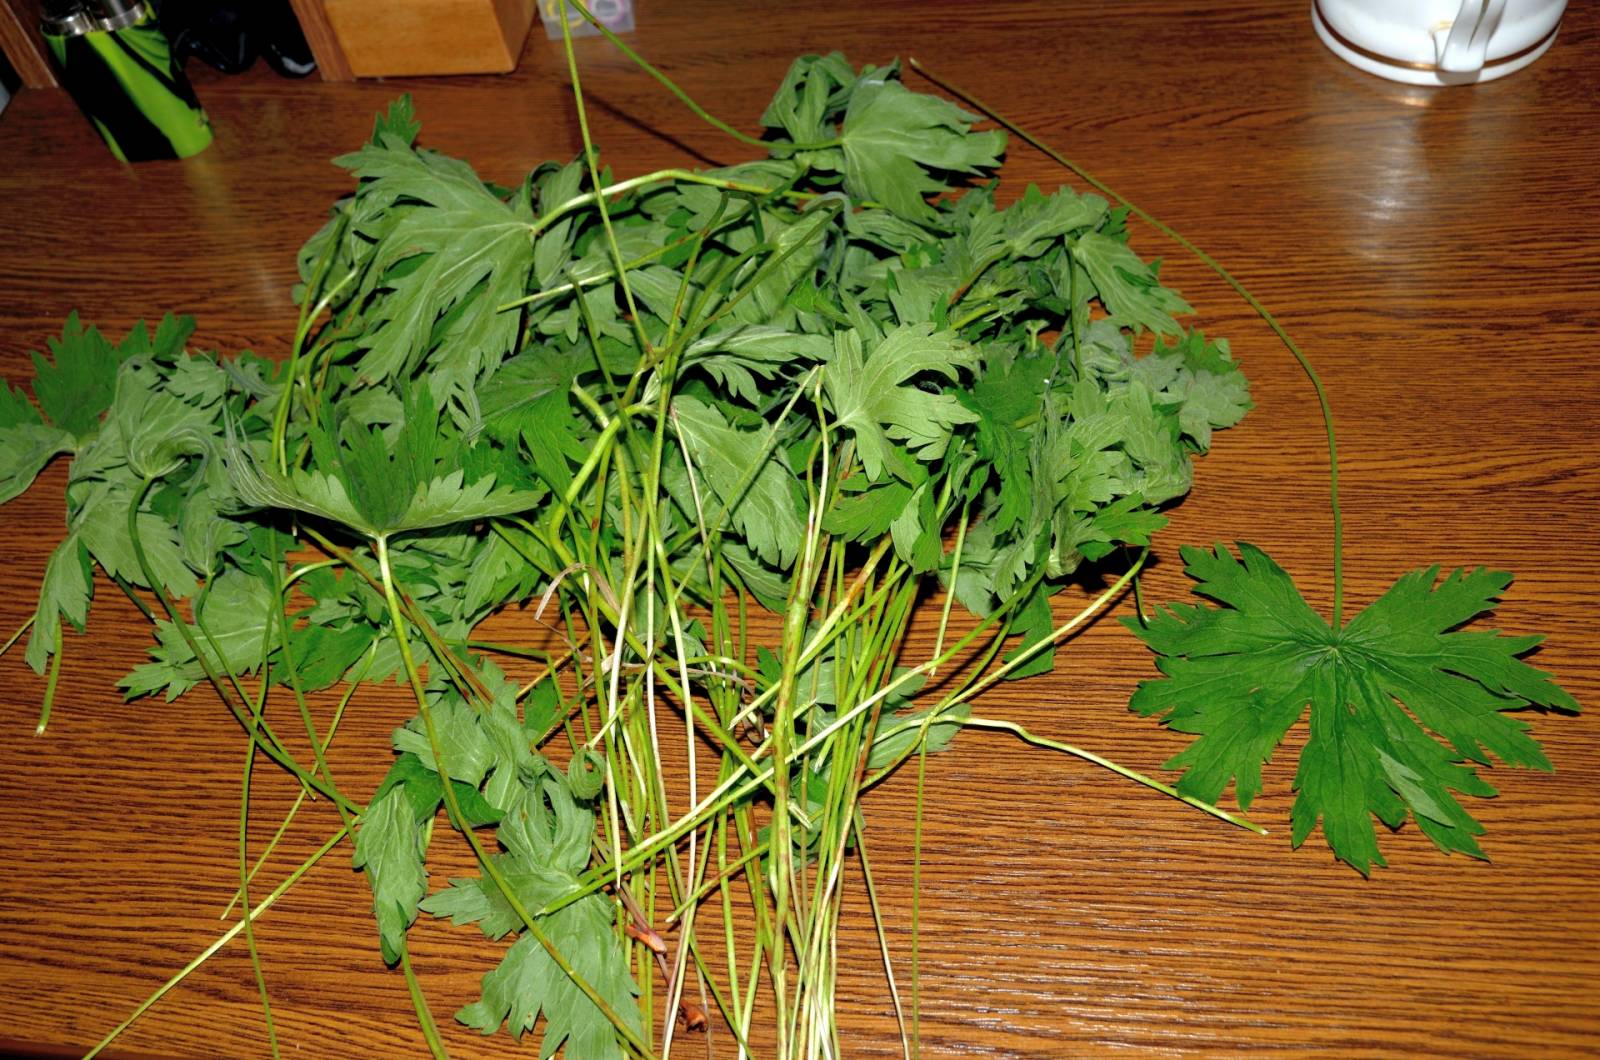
x: 300, y: 797
x: 1123, y: 771
x: 46, y: 704
x: 883, y: 938
x: 955, y: 572
x: 222, y: 940
x: 916, y: 897
x: 244, y: 850
x: 1228, y: 278
x: 594, y: 178
x: 467, y: 681
x: 133, y: 597
x: 287, y: 649
x: 725, y: 872
x: 27, y: 625
x: 308, y: 314
x: 682, y: 96
x: 430, y: 1030
x: 737, y: 786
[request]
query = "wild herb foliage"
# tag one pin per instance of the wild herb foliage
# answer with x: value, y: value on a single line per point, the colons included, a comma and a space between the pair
x: 827, y: 382
x: 1240, y: 675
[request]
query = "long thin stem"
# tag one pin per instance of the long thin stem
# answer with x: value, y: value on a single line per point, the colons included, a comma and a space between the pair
x: 684, y: 97
x: 300, y: 798
x: 222, y: 940
x: 883, y: 938
x: 48, y: 703
x: 26, y: 625
x: 1228, y: 278
x: 1105, y: 763
x: 916, y: 898
x: 244, y: 849
x: 430, y: 1030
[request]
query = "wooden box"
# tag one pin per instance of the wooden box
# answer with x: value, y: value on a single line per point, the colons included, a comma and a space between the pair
x: 382, y: 38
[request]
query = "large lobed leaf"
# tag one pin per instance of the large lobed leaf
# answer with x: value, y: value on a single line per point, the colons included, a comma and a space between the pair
x: 1240, y: 675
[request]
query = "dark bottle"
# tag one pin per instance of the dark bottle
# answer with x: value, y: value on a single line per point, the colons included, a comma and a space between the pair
x: 119, y: 67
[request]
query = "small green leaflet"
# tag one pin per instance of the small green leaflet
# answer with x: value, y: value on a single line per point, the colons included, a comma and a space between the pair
x: 235, y: 611
x: 467, y: 752
x: 1129, y: 287
x: 1202, y: 379
x: 77, y: 386
x: 547, y: 837
x: 389, y: 846
x: 873, y: 394
x: 893, y: 136
x: 74, y: 390
x: 814, y: 88
x: 869, y: 514
x: 400, y: 120
x: 1238, y: 676
x: 25, y: 448
x: 64, y: 592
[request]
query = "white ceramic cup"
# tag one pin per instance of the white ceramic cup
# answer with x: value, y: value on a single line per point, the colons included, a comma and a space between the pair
x: 1438, y: 42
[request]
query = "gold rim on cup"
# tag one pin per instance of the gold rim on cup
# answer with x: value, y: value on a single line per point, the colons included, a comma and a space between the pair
x: 1427, y: 67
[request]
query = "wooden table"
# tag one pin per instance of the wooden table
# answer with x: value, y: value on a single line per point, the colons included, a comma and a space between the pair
x: 1436, y: 251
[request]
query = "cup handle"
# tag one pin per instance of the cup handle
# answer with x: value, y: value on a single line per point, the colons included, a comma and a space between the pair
x: 1461, y: 47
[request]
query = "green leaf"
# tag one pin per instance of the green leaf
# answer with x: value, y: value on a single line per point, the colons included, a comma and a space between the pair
x: 902, y: 738
x: 102, y: 525
x: 15, y: 408
x: 547, y: 839
x: 1130, y: 289
x: 205, y: 532
x: 75, y: 388
x: 1032, y: 623
x: 25, y: 449
x: 157, y: 427
x: 235, y: 611
x: 1201, y: 379
x: 424, y: 792
x: 64, y: 592
x: 737, y: 357
x: 374, y: 486
x: 1125, y: 521
x: 324, y: 654
x: 398, y: 122
x: 467, y: 752
x: 814, y: 88
x: 1007, y: 393
x: 893, y: 137
x: 1238, y: 676
x: 460, y: 247
x: 916, y: 531
x: 390, y: 847
x: 867, y: 515
x: 873, y: 393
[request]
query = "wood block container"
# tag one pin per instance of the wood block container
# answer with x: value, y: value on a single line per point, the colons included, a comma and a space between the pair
x: 391, y: 38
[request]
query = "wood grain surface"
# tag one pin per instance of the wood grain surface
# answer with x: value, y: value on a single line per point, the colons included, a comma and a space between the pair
x: 22, y: 45
x: 1436, y: 251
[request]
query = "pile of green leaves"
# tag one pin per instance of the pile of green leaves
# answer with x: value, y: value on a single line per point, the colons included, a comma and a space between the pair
x: 828, y: 382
